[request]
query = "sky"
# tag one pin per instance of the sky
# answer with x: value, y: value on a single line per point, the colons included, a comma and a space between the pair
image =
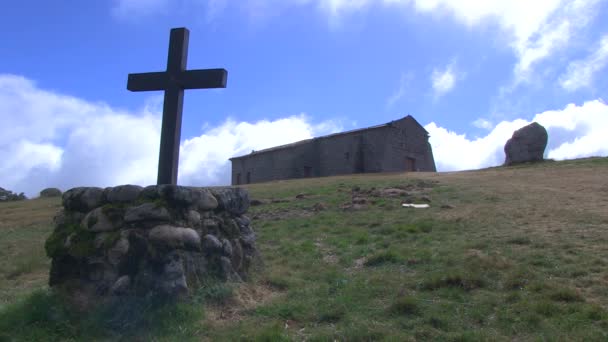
x: 471, y: 72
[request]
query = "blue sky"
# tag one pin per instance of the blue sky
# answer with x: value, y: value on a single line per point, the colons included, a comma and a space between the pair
x: 471, y: 72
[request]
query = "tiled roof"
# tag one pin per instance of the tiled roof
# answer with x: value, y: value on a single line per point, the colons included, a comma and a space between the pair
x: 275, y: 148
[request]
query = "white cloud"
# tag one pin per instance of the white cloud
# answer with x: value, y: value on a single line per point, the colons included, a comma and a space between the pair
x: 574, y: 132
x: 443, y: 80
x: 580, y: 73
x: 483, y: 123
x: 534, y: 30
x: 48, y: 139
x: 137, y: 8
x: 404, y: 82
x: 201, y: 165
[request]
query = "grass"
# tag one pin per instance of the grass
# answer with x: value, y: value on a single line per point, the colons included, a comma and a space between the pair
x: 521, y: 255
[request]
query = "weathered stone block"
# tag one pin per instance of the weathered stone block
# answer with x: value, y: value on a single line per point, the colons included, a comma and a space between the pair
x: 233, y: 200
x: 122, y: 193
x: 175, y: 237
x: 147, y: 212
x: 83, y: 199
x: 97, y: 221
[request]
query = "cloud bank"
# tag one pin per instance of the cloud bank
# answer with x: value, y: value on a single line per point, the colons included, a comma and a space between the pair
x: 49, y: 139
x: 574, y: 132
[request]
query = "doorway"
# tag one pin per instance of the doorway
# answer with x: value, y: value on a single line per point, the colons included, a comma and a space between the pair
x: 307, y: 171
x: 410, y: 164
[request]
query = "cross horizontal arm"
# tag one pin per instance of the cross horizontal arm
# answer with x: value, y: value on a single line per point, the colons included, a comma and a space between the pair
x: 203, y: 79
x: 148, y: 81
x: 190, y: 79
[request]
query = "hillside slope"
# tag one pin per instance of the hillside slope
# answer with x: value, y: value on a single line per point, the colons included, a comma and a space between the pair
x: 501, y: 254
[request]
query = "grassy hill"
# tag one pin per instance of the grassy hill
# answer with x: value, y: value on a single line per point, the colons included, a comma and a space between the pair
x: 518, y: 253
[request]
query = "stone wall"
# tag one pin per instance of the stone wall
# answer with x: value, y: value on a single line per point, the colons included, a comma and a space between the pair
x: 161, y: 240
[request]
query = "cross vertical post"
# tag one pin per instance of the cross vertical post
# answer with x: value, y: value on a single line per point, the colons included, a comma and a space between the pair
x: 173, y: 81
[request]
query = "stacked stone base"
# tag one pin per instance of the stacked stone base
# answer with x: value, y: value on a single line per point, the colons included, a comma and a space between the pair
x: 160, y: 240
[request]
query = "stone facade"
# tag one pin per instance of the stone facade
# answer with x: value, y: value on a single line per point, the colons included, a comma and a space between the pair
x: 159, y: 240
x: 397, y: 146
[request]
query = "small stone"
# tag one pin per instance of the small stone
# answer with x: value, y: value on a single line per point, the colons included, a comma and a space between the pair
x: 175, y: 237
x: 180, y: 194
x: 151, y: 192
x: 83, y: 199
x: 211, y: 244
x: 227, y: 272
x: 319, y: 207
x: 204, y: 200
x: 226, y: 248
x: 97, y: 221
x: 255, y: 202
x: 194, y: 218
x: 147, y: 211
x: 233, y: 200
x: 121, y: 286
x: 242, y: 220
x: 122, y: 193
x: 359, y: 200
x: 210, y: 223
x: 447, y: 206
x: 172, y: 281
x: 118, y: 251
x: 393, y: 192
x: 300, y: 196
x: 237, y: 255
x: 247, y: 236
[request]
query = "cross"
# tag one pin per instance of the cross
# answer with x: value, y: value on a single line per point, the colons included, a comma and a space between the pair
x: 173, y: 81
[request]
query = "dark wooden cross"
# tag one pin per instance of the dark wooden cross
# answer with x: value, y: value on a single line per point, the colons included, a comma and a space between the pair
x: 173, y: 82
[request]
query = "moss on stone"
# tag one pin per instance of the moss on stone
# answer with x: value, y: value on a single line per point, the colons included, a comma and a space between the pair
x: 92, y: 220
x: 231, y: 229
x: 55, y: 244
x: 108, y: 207
x: 82, y: 244
x: 114, y: 211
x: 110, y: 239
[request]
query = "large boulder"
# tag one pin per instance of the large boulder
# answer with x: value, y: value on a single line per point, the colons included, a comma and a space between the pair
x: 50, y: 192
x: 526, y: 145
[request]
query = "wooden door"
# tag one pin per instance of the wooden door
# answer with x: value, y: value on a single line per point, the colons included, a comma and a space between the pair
x: 307, y: 171
x: 410, y: 164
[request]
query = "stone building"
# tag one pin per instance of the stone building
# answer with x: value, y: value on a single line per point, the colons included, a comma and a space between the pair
x: 397, y: 146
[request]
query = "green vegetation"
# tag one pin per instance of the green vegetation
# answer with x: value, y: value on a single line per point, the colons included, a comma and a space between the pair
x: 519, y: 254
